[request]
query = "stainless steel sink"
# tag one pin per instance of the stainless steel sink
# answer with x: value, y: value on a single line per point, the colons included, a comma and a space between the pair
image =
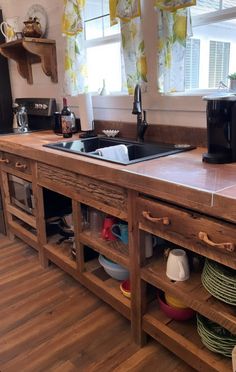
x: 137, y: 151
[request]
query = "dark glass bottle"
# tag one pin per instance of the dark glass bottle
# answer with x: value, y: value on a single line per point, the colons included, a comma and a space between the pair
x: 66, y: 120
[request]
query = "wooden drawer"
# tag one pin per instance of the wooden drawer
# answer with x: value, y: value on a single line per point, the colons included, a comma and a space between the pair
x: 207, y: 236
x: 15, y: 162
x: 98, y: 194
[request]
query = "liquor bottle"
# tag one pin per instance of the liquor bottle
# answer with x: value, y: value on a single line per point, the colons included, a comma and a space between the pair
x: 66, y: 120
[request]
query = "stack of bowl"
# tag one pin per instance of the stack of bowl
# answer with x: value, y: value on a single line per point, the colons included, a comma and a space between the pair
x: 173, y: 307
x: 113, y: 269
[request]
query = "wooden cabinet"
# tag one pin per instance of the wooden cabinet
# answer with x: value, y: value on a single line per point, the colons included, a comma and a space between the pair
x: 107, y: 199
x: 182, y: 227
x: 207, y: 236
x: 27, y: 51
x: 18, y: 197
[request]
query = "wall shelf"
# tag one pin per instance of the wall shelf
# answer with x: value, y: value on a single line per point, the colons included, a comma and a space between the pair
x: 27, y: 51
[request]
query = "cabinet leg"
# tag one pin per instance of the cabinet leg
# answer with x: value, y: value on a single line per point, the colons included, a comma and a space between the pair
x: 44, y: 261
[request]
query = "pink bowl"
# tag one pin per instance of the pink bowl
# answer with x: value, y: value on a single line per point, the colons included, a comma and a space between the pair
x: 173, y: 312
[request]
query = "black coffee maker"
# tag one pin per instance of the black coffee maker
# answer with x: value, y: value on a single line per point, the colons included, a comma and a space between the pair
x: 221, y: 129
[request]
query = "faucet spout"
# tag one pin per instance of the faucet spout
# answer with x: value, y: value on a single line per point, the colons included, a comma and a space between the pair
x: 137, y: 110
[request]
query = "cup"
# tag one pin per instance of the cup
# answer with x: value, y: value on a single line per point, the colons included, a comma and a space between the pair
x: 149, y: 241
x: 9, y: 28
x: 177, y: 267
x: 123, y: 229
x: 106, y: 229
x: 96, y: 221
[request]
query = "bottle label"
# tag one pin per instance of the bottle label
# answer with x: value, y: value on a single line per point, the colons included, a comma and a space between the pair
x: 66, y: 124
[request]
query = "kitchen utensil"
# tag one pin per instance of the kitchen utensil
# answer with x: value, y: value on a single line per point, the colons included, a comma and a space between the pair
x: 173, y: 312
x: 150, y: 241
x: 32, y: 28
x: 215, y: 337
x: 174, y: 302
x: 177, y: 267
x: 96, y: 221
x: 123, y: 229
x: 125, y: 288
x: 220, y: 281
x: 110, y: 132
x: 9, y: 28
x: 106, y: 230
x: 113, y: 269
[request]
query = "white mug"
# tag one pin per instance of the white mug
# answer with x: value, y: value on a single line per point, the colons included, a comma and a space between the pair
x: 177, y: 267
x: 9, y: 28
x: 149, y: 241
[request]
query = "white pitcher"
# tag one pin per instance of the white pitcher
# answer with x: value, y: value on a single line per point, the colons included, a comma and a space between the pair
x: 9, y: 28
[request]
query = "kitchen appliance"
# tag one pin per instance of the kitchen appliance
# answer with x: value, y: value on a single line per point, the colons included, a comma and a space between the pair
x: 39, y: 112
x: 21, y: 193
x: 221, y: 129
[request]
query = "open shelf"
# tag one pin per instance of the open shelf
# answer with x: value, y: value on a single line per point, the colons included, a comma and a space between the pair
x: 114, y: 250
x: 183, y: 340
x: 60, y: 254
x: 192, y: 293
x: 105, y: 287
x: 29, y: 50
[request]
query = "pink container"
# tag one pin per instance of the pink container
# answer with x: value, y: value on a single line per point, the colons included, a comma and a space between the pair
x: 173, y: 312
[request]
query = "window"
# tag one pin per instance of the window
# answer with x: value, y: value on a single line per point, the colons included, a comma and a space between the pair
x: 211, y: 52
x: 103, y: 47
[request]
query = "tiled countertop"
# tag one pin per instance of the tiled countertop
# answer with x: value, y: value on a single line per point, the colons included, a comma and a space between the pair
x: 182, y: 178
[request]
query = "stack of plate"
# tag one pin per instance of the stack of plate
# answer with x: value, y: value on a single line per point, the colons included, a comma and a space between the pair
x: 215, y: 337
x: 220, y: 281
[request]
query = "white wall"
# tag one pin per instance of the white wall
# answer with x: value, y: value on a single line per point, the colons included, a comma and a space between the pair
x: 184, y: 111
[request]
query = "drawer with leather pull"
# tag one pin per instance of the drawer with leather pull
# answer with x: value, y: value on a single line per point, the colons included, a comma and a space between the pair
x: 208, y: 236
x: 15, y: 162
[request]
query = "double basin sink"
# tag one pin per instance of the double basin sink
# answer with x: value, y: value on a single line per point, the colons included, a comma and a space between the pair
x: 137, y: 151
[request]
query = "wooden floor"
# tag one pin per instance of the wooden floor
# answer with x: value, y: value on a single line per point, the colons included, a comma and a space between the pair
x: 48, y: 322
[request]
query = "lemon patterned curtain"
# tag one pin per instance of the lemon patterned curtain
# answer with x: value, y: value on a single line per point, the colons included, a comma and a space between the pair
x: 173, y: 29
x: 128, y: 13
x: 75, y: 54
x: 172, y: 5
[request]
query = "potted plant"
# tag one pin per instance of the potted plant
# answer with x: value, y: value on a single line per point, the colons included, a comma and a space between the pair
x: 232, y: 78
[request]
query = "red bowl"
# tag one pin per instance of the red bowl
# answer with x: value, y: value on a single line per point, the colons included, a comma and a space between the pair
x: 125, y: 288
x: 173, y: 312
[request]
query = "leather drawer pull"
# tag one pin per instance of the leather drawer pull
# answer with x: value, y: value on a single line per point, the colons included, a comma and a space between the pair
x: 6, y: 161
x: 20, y: 165
x: 204, y: 237
x: 147, y: 215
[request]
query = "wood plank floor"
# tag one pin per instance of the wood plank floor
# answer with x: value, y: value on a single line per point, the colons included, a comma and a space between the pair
x: 49, y: 322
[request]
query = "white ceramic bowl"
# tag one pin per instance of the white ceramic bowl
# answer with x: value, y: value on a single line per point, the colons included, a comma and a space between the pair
x: 110, y: 132
x: 113, y: 269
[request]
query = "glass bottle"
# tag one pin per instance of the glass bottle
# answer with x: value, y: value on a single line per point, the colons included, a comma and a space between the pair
x: 66, y: 120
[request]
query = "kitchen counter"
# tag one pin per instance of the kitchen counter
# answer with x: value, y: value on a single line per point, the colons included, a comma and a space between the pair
x: 181, y: 178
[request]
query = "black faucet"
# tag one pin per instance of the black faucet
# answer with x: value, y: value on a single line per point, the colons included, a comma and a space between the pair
x: 141, y: 114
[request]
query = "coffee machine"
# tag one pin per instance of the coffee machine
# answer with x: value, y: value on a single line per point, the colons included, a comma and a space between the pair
x: 221, y: 129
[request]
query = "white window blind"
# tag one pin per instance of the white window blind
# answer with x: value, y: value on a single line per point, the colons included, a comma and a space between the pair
x: 192, y: 62
x: 218, y: 63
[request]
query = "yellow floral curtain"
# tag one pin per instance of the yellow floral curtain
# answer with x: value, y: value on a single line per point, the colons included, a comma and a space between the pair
x: 75, y: 55
x: 174, y: 27
x: 128, y: 13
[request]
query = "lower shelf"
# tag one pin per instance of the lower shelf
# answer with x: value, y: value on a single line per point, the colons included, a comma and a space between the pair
x: 60, y: 254
x: 105, y: 287
x: 183, y: 340
x: 22, y: 233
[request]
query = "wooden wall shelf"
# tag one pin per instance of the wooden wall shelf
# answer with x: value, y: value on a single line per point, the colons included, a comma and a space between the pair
x: 27, y: 51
